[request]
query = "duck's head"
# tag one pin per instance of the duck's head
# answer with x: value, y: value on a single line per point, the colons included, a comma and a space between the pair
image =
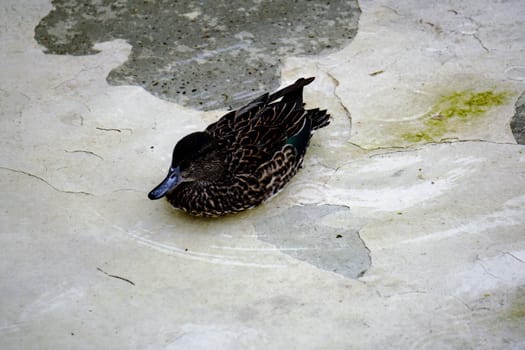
x: 193, y: 160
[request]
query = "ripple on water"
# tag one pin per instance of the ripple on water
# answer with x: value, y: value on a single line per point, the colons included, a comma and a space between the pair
x: 515, y: 73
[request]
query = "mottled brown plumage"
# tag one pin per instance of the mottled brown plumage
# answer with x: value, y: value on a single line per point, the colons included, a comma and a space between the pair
x: 245, y: 157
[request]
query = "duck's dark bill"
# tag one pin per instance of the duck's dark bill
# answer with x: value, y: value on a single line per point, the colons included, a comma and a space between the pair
x: 166, y: 185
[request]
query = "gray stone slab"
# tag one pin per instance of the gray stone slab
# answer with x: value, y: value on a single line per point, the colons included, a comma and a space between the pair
x: 206, y: 55
x: 517, y: 124
x: 305, y: 233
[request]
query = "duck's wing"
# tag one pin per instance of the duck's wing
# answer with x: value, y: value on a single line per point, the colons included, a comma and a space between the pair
x: 267, y: 136
x: 256, y: 133
x: 236, y: 121
x: 230, y: 124
x: 276, y: 172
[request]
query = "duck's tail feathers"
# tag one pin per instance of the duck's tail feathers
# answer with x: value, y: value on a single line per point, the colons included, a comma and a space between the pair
x: 292, y: 93
x: 320, y: 118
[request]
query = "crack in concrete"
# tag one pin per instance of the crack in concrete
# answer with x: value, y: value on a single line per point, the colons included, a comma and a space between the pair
x: 485, y: 270
x: 474, y: 34
x: 115, y: 276
x: 408, y: 292
x: 369, y: 252
x: 481, y: 43
x: 515, y: 257
x: 411, y: 148
x: 75, y: 76
x: 336, y: 84
x: 469, y: 308
x: 86, y: 152
x: 396, y: 12
x: 41, y: 179
x: 127, y: 190
x: 115, y: 129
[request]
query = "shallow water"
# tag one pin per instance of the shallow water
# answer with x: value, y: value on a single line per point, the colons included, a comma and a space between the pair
x: 377, y: 236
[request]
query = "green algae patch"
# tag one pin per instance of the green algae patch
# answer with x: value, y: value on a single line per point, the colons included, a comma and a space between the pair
x: 517, y: 312
x: 452, y: 110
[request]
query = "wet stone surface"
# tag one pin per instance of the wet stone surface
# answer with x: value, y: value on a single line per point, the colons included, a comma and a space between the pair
x: 207, y: 55
x: 517, y: 124
x: 322, y: 236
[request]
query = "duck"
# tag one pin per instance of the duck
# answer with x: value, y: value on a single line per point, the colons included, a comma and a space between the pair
x: 245, y: 157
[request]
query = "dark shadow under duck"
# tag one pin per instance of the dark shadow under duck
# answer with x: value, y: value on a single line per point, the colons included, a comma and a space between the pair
x: 245, y: 157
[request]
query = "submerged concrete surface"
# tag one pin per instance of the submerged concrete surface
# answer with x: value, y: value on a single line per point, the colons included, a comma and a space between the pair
x: 89, y: 262
x: 207, y: 55
x: 517, y: 124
